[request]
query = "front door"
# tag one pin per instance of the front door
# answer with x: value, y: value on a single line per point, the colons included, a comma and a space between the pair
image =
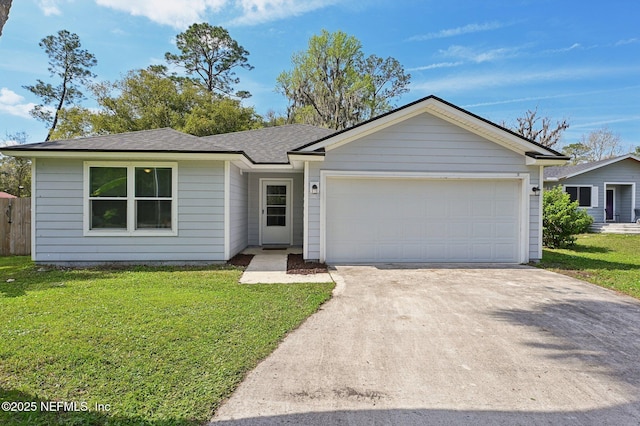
x: 276, y: 212
x: 610, y: 202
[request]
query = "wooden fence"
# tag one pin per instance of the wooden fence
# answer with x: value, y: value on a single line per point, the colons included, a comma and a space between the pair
x: 15, y: 226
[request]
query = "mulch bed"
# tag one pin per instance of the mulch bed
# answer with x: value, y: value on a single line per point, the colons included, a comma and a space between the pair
x: 241, y: 260
x: 297, y: 265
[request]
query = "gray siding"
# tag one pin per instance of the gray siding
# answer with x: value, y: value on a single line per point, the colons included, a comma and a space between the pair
x: 59, y: 218
x: 423, y: 144
x: 297, y: 205
x: 239, y: 208
x: 624, y: 171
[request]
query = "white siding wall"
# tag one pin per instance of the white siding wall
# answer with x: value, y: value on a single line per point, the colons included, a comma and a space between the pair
x: 254, y: 205
x: 238, y: 198
x: 422, y: 144
x: 59, y: 218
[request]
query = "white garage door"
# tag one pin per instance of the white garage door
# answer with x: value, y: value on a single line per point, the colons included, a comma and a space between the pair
x: 422, y: 220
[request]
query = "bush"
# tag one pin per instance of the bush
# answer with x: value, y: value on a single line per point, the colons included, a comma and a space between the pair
x: 562, y: 219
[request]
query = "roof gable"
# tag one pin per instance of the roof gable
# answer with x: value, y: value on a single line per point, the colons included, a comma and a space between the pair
x: 450, y: 113
x: 565, y: 172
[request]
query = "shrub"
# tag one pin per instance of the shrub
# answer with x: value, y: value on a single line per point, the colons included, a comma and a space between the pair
x: 562, y: 219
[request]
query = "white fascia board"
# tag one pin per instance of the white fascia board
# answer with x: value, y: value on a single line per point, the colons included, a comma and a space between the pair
x: 273, y: 168
x: 123, y: 155
x: 306, y: 157
x: 298, y: 161
x: 529, y: 161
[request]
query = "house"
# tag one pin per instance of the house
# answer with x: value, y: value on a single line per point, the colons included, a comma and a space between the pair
x: 427, y: 182
x: 609, y: 189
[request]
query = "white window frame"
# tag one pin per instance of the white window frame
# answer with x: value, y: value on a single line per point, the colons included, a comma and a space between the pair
x: 594, y: 194
x: 131, y: 200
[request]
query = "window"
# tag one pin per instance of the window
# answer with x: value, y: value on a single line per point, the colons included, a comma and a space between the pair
x: 582, y: 194
x: 276, y: 205
x: 132, y: 198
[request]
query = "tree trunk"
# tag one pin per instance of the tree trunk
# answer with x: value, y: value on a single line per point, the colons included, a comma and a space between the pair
x: 5, y: 5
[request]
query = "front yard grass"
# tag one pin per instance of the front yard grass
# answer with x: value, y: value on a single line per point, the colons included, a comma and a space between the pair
x: 608, y: 260
x: 156, y: 346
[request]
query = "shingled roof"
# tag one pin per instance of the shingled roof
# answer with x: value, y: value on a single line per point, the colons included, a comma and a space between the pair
x: 562, y: 172
x: 267, y: 145
x: 270, y: 144
x: 156, y: 140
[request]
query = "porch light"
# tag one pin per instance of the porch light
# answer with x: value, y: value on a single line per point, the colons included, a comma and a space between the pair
x: 536, y: 190
x: 315, y: 188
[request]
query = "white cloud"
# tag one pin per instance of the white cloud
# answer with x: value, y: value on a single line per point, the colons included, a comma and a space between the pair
x: 13, y: 104
x: 436, y: 66
x: 472, y: 55
x: 509, y: 78
x: 182, y: 13
x: 452, y: 32
x: 627, y: 41
x: 574, y: 46
x: 259, y: 11
x: 176, y: 13
x: 49, y: 7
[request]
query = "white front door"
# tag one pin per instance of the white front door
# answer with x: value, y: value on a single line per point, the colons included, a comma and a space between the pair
x: 275, y: 211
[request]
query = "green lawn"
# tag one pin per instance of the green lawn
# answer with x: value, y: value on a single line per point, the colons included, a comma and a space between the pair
x: 608, y: 260
x: 160, y: 346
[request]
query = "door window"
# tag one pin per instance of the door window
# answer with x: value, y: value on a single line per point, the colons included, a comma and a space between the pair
x: 276, y: 205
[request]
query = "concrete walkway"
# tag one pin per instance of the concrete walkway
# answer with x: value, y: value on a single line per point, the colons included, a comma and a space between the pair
x: 270, y: 267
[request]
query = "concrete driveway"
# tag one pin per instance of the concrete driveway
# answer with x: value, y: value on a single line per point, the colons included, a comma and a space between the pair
x: 452, y: 345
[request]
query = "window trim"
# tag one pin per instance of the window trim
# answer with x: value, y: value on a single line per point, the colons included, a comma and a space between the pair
x: 594, y: 194
x: 131, y: 200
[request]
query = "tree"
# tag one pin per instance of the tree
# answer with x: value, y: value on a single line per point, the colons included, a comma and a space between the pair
x: 332, y: 84
x: 540, y: 130
x: 209, y: 55
x: 5, y: 5
x: 601, y: 144
x: 562, y: 219
x: 144, y: 99
x: 598, y: 145
x: 386, y: 80
x: 15, y: 173
x: 71, y: 64
x: 577, y: 151
x: 637, y: 151
x: 74, y: 122
x: 151, y: 99
x: 223, y: 115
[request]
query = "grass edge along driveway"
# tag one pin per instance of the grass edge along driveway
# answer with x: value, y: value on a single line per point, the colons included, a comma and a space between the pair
x: 154, y: 346
x: 608, y: 260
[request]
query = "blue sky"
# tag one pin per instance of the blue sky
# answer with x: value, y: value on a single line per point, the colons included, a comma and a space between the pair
x: 497, y: 59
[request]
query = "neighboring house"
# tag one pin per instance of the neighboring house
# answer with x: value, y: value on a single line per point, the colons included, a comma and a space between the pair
x: 609, y: 189
x: 6, y: 195
x: 427, y: 182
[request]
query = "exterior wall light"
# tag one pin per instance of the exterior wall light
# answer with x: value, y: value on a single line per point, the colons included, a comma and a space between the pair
x: 315, y: 188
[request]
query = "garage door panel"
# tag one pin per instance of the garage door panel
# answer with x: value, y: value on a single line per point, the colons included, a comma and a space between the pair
x: 422, y: 220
